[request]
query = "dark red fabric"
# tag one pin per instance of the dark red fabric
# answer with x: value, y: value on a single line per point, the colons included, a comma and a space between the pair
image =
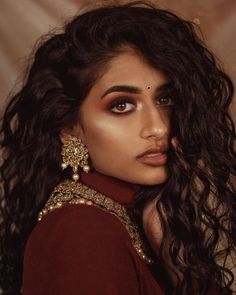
x: 120, y: 191
x: 81, y: 249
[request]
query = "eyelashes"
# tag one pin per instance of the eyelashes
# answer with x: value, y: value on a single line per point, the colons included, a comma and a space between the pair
x: 165, y: 101
x: 119, y: 105
x: 126, y: 104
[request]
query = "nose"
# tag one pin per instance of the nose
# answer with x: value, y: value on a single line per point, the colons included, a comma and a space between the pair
x: 155, y: 123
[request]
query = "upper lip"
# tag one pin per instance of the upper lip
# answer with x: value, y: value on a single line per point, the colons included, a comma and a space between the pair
x: 153, y: 150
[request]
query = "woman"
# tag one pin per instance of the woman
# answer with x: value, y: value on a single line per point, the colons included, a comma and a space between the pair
x: 119, y: 162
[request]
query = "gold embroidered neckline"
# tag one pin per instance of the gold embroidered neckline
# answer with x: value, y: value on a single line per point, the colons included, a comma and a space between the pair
x: 71, y: 192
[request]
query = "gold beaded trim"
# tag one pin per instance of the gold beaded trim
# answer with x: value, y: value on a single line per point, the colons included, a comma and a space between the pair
x: 77, y: 193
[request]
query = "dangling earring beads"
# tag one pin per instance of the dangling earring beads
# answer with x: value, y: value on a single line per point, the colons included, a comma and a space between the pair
x: 75, y: 154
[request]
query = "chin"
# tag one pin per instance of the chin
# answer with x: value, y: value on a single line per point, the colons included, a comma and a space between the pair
x: 155, y: 181
x: 156, y: 177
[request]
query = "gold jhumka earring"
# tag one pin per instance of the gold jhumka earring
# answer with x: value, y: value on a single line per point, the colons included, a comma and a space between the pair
x: 75, y: 154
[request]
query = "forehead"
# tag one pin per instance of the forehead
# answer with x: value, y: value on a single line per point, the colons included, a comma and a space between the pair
x: 131, y: 68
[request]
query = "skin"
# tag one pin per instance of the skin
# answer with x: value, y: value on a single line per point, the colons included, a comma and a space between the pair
x: 116, y: 134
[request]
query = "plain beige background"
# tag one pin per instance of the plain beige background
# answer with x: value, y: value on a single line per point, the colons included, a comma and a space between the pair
x: 23, y: 22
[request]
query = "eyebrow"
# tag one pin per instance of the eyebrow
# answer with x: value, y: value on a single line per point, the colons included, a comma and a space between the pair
x: 134, y: 89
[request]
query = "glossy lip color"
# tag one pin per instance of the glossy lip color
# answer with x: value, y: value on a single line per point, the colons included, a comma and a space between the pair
x: 158, y: 159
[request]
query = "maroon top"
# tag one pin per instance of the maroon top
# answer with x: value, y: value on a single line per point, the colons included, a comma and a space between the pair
x: 81, y: 249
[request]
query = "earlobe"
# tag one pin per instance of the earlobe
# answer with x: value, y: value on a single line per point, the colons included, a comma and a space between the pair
x: 64, y: 136
x: 68, y: 133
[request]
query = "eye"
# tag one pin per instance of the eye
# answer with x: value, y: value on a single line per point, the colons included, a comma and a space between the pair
x: 122, y: 106
x: 165, y: 101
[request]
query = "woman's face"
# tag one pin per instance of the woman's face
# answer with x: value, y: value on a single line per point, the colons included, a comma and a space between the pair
x: 127, y: 113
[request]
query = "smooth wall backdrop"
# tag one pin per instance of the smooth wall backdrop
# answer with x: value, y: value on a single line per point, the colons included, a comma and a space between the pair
x: 23, y: 22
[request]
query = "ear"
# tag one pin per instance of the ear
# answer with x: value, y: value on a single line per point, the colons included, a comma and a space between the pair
x: 67, y: 133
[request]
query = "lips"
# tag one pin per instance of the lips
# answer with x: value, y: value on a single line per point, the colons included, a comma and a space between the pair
x: 151, y: 155
x: 152, y: 151
x: 154, y: 157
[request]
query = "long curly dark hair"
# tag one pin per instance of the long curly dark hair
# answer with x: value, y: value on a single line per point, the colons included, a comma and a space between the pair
x: 198, y: 200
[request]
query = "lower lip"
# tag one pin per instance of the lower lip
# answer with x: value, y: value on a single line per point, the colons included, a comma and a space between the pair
x: 158, y: 160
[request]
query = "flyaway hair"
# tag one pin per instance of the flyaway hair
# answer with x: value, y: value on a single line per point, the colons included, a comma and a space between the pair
x: 197, y: 204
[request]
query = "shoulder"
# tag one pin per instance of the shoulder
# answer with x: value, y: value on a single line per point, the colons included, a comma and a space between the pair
x: 75, y: 244
x: 81, y: 224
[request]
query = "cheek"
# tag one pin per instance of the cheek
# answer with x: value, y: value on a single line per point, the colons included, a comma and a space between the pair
x: 104, y: 137
x: 166, y: 115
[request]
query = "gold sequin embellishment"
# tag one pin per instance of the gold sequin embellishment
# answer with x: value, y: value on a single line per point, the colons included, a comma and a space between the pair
x: 77, y: 193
